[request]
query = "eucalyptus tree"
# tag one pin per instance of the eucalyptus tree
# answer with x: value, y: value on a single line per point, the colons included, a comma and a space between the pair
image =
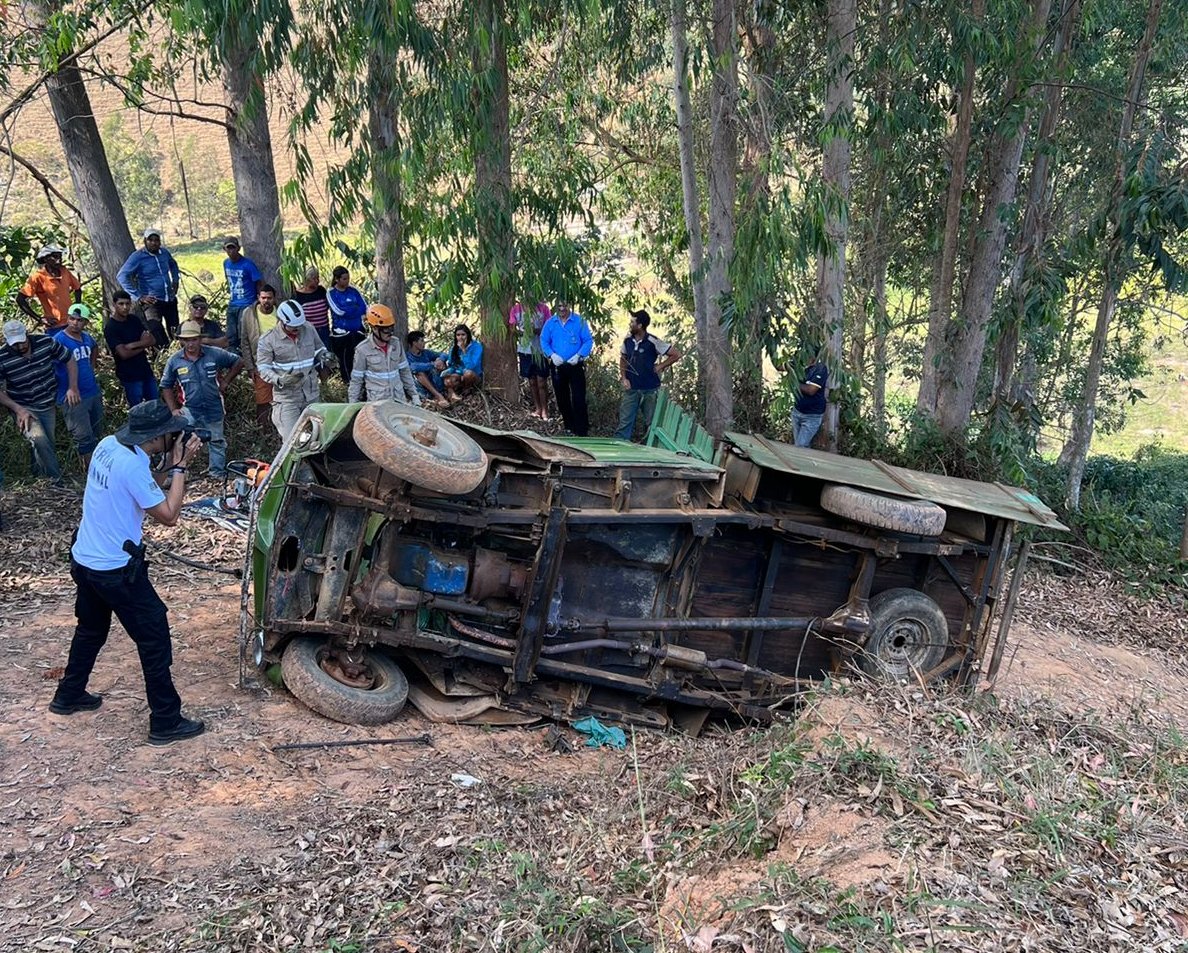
x: 244, y: 43
x: 52, y: 36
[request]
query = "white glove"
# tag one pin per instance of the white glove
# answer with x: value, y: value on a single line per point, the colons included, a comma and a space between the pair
x: 558, y: 359
x: 573, y: 360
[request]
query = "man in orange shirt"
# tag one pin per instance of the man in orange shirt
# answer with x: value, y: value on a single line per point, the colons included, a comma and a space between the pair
x: 54, y: 286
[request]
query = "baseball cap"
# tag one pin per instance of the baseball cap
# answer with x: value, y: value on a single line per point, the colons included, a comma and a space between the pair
x: 190, y: 329
x: 149, y: 232
x: 49, y: 250
x: 199, y: 299
x: 15, y: 332
x: 79, y: 310
x: 230, y: 240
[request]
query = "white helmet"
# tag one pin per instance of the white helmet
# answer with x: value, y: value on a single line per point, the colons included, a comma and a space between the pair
x: 290, y: 314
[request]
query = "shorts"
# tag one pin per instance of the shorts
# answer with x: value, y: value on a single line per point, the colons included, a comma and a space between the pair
x: 530, y: 368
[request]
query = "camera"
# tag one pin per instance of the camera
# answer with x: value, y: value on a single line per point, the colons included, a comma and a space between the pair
x: 203, y: 435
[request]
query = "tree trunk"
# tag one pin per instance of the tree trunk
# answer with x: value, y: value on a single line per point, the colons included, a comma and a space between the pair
x: 250, y: 143
x: 723, y: 192
x: 691, y: 200
x: 383, y: 122
x: 1077, y: 451
x: 492, y: 183
x: 755, y: 202
x: 98, y: 199
x: 1030, y: 242
x: 965, y: 340
x: 944, y: 271
x: 835, y: 176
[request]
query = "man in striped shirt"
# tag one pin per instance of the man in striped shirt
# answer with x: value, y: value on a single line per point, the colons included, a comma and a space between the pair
x: 31, y: 387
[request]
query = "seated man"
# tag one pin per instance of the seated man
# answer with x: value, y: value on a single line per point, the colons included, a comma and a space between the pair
x: 426, y: 366
x: 464, y: 372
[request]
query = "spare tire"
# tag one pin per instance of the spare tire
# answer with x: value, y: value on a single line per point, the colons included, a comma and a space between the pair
x: 420, y: 446
x: 304, y: 672
x: 909, y: 635
x: 899, y: 515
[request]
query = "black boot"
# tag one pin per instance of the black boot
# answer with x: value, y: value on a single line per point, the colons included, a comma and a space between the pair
x: 60, y: 705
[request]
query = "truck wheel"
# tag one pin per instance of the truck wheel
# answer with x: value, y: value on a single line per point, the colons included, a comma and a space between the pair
x: 919, y: 517
x: 909, y: 635
x: 419, y: 446
x: 305, y: 668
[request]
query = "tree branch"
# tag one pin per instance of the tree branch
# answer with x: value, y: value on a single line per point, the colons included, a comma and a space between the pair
x: 50, y: 188
x: 179, y: 114
x: 25, y: 94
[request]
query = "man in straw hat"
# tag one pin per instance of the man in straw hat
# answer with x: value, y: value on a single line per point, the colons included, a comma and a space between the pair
x: 108, y: 566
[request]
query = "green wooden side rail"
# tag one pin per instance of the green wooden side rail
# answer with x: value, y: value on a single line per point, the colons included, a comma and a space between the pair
x: 673, y: 428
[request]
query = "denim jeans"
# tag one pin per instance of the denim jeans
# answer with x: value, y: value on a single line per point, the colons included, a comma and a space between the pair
x: 233, y: 313
x: 41, y: 443
x: 130, y: 595
x: 632, y: 403
x: 85, y: 422
x: 139, y: 391
x: 805, y: 427
x: 217, y: 448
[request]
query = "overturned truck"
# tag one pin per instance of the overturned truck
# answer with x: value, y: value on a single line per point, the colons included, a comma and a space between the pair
x: 496, y: 576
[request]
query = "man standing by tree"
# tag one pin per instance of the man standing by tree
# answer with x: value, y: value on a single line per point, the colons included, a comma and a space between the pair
x: 291, y: 357
x: 30, y: 386
x: 566, y: 341
x: 151, y: 277
x: 250, y: 333
x: 810, y: 403
x: 128, y: 342
x: 640, y: 374
x: 194, y: 378
x: 212, y: 331
x: 84, y: 420
x: 243, y: 287
x: 54, y: 286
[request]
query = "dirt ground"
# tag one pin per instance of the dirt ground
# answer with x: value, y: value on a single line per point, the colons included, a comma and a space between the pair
x: 107, y: 842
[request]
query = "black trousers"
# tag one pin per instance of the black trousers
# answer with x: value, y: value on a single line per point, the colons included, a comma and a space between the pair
x: 569, y: 384
x: 142, y: 613
x: 342, y: 346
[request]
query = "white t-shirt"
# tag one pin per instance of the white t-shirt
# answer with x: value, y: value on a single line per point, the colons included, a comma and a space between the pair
x: 120, y: 487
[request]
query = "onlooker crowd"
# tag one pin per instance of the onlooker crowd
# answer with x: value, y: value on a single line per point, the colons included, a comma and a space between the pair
x: 288, y: 349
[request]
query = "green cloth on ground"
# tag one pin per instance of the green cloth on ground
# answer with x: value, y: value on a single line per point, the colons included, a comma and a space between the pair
x: 600, y: 734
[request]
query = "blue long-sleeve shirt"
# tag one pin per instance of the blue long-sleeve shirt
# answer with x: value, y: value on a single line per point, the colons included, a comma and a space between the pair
x: 145, y: 274
x: 469, y: 360
x: 347, y: 308
x: 572, y: 337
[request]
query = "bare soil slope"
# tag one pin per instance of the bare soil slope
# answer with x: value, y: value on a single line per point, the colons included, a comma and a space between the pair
x: 1047, y: 814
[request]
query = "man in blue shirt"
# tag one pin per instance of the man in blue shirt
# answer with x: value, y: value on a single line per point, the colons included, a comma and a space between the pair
x: 84, y: 420
x: 151, y: 277
x: 243, y: 287
x: 810, y: 403
x: 427, y: 366
x: 193, y: 377
x: 640, y: 374
x: 566, y: 341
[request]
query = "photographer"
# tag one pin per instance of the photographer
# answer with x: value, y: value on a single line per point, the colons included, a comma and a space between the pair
x: 108, y: 566
x: 197, y: 376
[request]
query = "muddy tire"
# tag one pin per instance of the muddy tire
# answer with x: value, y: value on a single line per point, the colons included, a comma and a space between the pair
x: 387, y: 432
x: 898, y: 515
x: 301, y: 669
x: 909, y: 635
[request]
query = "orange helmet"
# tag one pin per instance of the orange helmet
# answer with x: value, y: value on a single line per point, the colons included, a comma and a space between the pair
x: 380, y: 316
